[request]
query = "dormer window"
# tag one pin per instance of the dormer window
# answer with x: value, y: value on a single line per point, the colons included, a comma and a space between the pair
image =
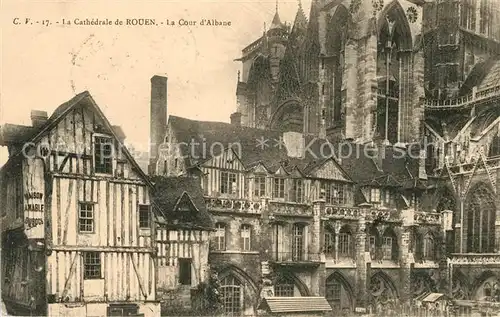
x: 279, y: 188
x: 334, y: 193
x: 259, y: 186
x: 375, y: 195
x: 103, y: 155
x: 228, y: 183
x: 297, y: 192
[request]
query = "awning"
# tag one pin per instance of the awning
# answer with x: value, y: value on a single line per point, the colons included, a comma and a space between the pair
x: 432, y: 297
x: 295, y: 304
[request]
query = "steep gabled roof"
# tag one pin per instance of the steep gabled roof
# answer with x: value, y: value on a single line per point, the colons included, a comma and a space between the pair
x: 259, y: 146
x: 86, y: 100
x: 170, y: 193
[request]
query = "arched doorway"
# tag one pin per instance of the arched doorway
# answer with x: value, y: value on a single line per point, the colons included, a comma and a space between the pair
x: 384, y: 295
x: 339, y: 293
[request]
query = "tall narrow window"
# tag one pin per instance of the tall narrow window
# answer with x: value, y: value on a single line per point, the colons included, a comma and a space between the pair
x: 481, y: 217
x: 279, y: 187
x: 259, y: 186
x: 298, y: 242
x: 345, y: 243
x: 231, y: 295
x: 103, y: 151
x: 329, y: 242
x: 372, y: 240
x: 428, y: 245
x: 297, y: 194
x: 144, y: 221
x: 86, y: 218
x: 375, y: 195
x: 92, y: 265
x: 205, y: 184
x: 245, y: 237
x: 228, y: 183
x: 387, y: 248
x: 220, y: 236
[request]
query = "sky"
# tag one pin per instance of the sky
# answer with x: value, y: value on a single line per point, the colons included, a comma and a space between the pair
x: 43, y: 66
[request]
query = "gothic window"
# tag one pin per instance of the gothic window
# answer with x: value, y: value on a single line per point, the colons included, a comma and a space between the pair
x: 298, y: 242
x: 336, y: 39
x: 345, y: 242
x: 284, y: 287
x: 394, y: 38
x: 480, y: 229
x: 336, y: 294
x: 231, y: 295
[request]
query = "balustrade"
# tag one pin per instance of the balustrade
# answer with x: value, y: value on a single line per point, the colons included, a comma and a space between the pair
x: 233, y: 205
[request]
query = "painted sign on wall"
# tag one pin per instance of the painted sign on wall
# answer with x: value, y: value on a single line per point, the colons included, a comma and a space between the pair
x: 34, y: 198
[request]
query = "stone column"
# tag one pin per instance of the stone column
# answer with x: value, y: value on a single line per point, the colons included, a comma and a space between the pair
x: 406, y: 265
x: 315, y: 232
x: 361, y: 265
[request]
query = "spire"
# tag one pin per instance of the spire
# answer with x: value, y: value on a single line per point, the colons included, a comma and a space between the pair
x: 300, y: 18
x: 276, y: 23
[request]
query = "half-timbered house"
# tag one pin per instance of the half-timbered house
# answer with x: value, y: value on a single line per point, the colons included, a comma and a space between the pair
x: 77, y: 224
x: 182, y: 240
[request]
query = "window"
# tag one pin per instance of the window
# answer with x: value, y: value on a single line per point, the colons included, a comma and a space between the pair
x: 334, y: 193
x: 329, y: 242
x: 86, y: 218
x: 185, y: 271
x: 387, y: 248
x: 284, y: 287
x: 205, y: 184
x: 245, y: 237
x: 103, y: 150
x: 279, y: 188
x: 297, y: 194
x: 228, y: 183
x: 298, y: 242
x: 333, y: 293
x: 259, y: 186
x: 372, y: 240
x: 388, y: 198
x: 428, y: 247
x: 144, y: 216
x: 231, y: 295
x: 374, y: 195
x: 220, y: 236
x: 92, y: 265
x: 487, y: 289
x: 345, y: 247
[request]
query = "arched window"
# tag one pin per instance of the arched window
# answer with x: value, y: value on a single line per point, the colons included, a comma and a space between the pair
x: 329, y: 242
x: 428, y: 247
x: 337, y: 295
x: 345, y: 242
x: 231, y: 295
x: 480, y: 229
x: 394, y: 38
x: 284, y: 286
x: 246, y: 236
x: 220, y: 236
x: 298, y: 242
x: 334, y: 64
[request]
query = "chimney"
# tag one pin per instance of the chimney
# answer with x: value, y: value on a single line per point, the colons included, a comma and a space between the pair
x: 38, y: 118
x: 236, y: 118
x: 294, y: 144
x: 158, y: 120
